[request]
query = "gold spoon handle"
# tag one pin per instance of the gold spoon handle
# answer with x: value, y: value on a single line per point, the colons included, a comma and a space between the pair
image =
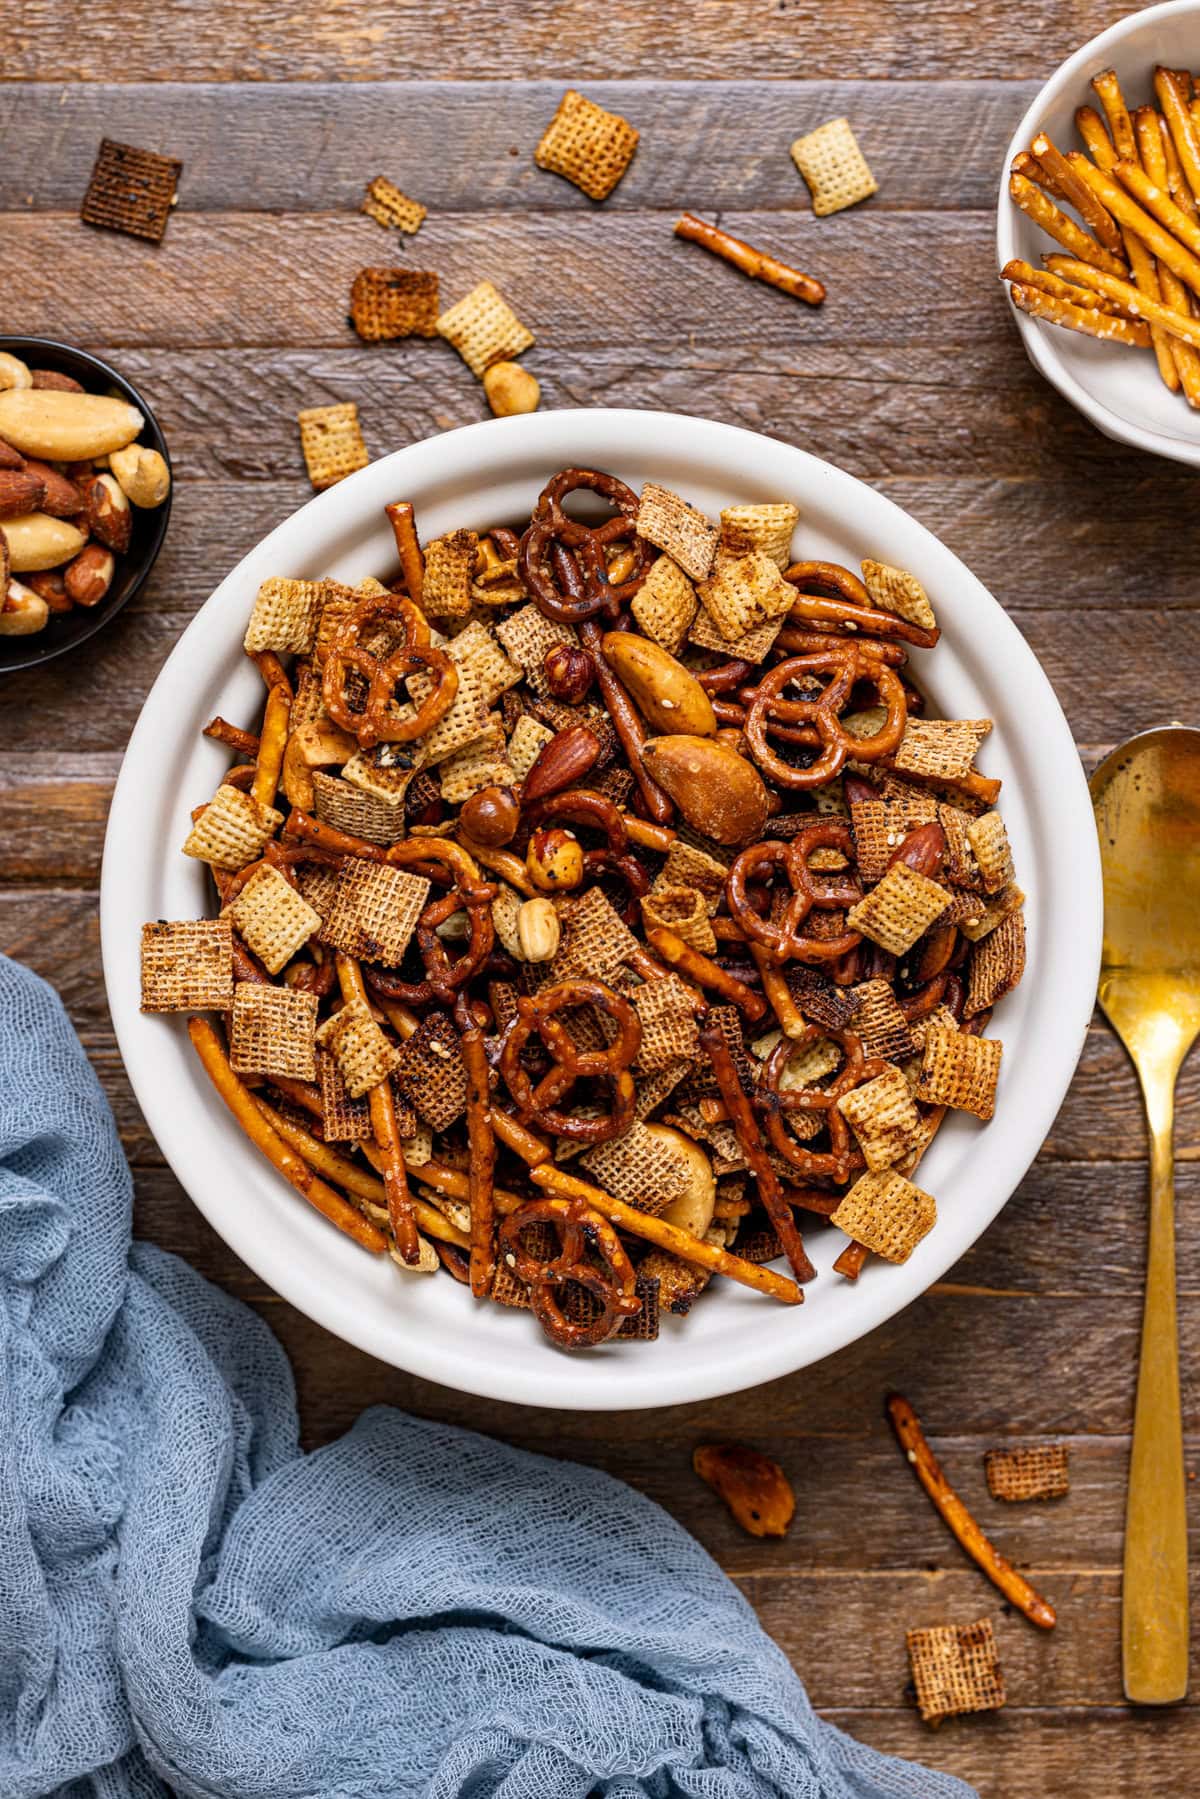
x: 1154, y: 1598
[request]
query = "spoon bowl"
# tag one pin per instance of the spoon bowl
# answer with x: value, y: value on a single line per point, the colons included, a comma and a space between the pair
x: 1146, y: 796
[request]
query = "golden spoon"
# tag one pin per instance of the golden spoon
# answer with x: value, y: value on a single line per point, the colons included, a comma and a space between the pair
x: 1147, y: 801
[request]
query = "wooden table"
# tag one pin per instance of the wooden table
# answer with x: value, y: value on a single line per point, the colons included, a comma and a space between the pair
x: 912, y: 377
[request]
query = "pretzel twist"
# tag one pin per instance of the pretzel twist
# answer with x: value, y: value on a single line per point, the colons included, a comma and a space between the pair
x: 580, y: 1229
x: 572, y: 602
x: 379, y: 719
x: 542, y: 1103
x: 783, y: 938
x: 775, y: 1102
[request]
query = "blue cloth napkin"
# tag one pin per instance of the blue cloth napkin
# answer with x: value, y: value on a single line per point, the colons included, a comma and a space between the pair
x: 189, y: 1604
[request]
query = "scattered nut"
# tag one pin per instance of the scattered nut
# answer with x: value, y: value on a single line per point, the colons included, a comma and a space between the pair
x: 143, y: 474
x: 537, y: 931
x: 554, y: 860
x: 491, y: 816
x: 109, y: 513
x: 510, y: 388
x: 13, y: 372
x: 569, y: 672
x: 23, y: 612
x: 36, y: 540
x: 88, y: 578
x: 755, y: 1488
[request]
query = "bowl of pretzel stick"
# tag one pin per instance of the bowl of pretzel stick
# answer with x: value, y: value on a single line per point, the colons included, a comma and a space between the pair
x: 584, y: 909
x: 1098, y: 232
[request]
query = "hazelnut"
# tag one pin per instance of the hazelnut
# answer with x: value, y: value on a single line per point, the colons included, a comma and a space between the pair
x: 108, y: 512
x: 569, y: 672
x: 143, y: 474
x: 537, y: 930
x: 88, y: 578
x: 510, y: 388
x: 491, y: 816
x: 554, y: 860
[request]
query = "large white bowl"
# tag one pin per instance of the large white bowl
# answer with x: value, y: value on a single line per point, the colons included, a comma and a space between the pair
x: 479, y: 476
x: 1117, y: 388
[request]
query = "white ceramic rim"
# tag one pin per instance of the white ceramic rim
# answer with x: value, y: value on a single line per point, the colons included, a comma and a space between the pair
x: 734, y: 1339
x: 1039, y: 338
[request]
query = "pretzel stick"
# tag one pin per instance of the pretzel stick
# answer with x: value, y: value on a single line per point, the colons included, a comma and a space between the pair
x: 651, y: 837
x: 700, y: 968
x: 741, y: 1116
x: 457, y: 1185
x: 791, y: 1021
x: 1079, y: 318
x: 815, y: 609
x: 1159, y: 242
x: 383, y: 1125
x: 1148, y: 126
x: 1025, y: 163
x: 925, y: 1466
x: 294, y: 1168
x: 349, y: 1175
x: 1120, y: 125
x: 522, y: 1141
x: 220, y: 729
x: 668, y: 1236
x: 481, y: 1177
x: 1181, y: 125
x: 1177, y: 185
x: 1057, y: 225
x: 1179, y: 324
x: 272, y: 744
x: 755, y: 263
x: 271, y: 669
x: 1097, y: 142
x: 412, y: 563
x: 627, y: 723
x: 1077, y: 192
x: 1026, y: 275
x: 1154, y: 197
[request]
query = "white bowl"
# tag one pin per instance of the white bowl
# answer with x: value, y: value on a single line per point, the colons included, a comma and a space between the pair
x: 481, y: 475
x: 1117, y: 388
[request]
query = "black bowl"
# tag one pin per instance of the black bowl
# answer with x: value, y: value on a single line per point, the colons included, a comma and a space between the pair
x: 66, y: 630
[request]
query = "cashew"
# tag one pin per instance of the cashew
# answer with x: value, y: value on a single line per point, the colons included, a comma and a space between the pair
x: 510, y: 388
x: 35, y: 540
x: 13, y: 372
x: 66, y: 427
x: 693, y: 1210
x: 143, y: 474
x: 23, y: 612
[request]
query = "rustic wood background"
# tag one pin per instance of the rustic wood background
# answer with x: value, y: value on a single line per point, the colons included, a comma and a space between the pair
x: 912, y: 377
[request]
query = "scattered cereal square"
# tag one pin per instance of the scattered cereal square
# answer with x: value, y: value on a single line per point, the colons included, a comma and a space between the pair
x: 1037, y: 1472
x: 332, y: 443
x: 588, y: 145
x: 886, y: 1214
x: 131, y: 191
x: 375, y: 911
x: 960, y: 1070
x: 484, y: 329
x: 285, y: 616
x: 834, y: 167
x: 390, y: 303
x: 385, y: 203
x: 955, y: 1670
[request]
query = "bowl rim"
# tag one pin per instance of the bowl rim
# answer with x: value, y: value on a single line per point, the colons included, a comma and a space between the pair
x: 100, y: 615
x: 1037, y: 337
x: 176, y: 1108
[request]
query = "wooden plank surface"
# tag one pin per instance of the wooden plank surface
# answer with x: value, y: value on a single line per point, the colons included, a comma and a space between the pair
x: 911, y: 377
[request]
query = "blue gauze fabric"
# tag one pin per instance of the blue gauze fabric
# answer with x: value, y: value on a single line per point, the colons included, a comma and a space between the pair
x: 189, y: 1604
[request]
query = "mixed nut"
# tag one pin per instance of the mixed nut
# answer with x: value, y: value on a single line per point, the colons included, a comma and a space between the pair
x: 71, y: 471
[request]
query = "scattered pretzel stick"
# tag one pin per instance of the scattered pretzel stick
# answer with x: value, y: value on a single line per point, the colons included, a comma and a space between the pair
x: 1179, y: 324
x: 1181, y: 125
x: 1126, y: 210
x: 294, y: 1168
x: 1076, y: 191
x: 1079, y: 318
x: 383, y: 1124
x: 741, y: 1116
x: 482, y: 1169
x: 412, y: 563
x: 1044, y: 213
x: 925, y: 1466
x: 668, y: 1236
x: 705, y: 972
x: 273, y: 742
x: 650, y: 837
x: 757, y: 264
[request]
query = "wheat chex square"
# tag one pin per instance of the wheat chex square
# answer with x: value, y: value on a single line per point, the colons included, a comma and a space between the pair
x: 1039, y: 1471
x: 955, y: 1670
x: 131, y: 191
x: 386, y: 304
x: 187, y: 966
x: 431, y: 1072
x: 375, y: 910
x: 682, y: 531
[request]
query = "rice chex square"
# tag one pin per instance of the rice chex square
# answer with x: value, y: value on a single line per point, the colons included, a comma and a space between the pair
x: 187, y: 966
x: 332, y: 442
x: 993, y: 855
x: 272, y: 1031
x: 272, y: 918
x: 665, y: 604
x: 587, y: 144
x: 364, y: 1055
x: 387, y: 205
x: 233, y: 829
x: 899, y: 910
x: 768, y: 527
x: 895, y: 590
x: 883, y: 1117
x: 960, y: 1071
x: 484, y: 329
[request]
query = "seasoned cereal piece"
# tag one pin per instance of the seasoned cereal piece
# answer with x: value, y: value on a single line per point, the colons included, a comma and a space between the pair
x: 941, y: 749
x: 273, y: 919
x: 961, y: 1071
x: 484, y: 329
x: 670, y: 1034
x: 272, y: 1031
x: 665, y: 604
x: 997, y: 964
x: 528, y: 637
x: 386, y: 304
x: 528, y: 740
x: 343, y: 1120
x: 669, y: 523
x: 1036, y: 1472
x: 466, y: 721
x: 131, y: 191
x: 187, y: 966
x: 431, y: 1072
x: 385, y: 203
x: 477, y: 644
x: 883, y: 1117
x: 989, y: 841
x: 886, y: 1214
x: 745, y: 593
x: 332, y: 443
x: 834, y: 167
x: 449, y: 572
x: 595, y: 941
x: 588, y: 145
x: 646, y: 1168
x: 896, y: 590
x: 985, y: 914
x: 688, y: 866
x: 375, y: 911
x: 285, y: 616
x: 482, y: 764
x: 880, y: 1023
x: 768, y: 527
x: 233, y: 829
x: 956, y: 1670
x: 683, y: 911
x: 899, y: 910
x: 750, y: 645
x: 364, y: 1055
x: 359, y: 811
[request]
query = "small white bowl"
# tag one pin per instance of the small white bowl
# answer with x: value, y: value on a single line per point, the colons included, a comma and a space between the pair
x: 488, y: 474
x: 1118, y: 389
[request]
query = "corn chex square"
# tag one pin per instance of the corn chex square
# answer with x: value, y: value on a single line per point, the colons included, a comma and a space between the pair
x: 768, y: 527
x: 955, y: 1670
x: 284, y: 616
x: 745, y: 593
x: 358, y: 811
x: 587, y: 145
x: 886, y: 1214
x: 364, y: 1056
x: 960, y: 1071
x: 272, y: 918
x: 431, y: 1072
x: 528, y: 637
x: 233, y: 829
x: 332, y: 442
x: 899, y: 910
x: 482, y: 764
x: 993, y: 854
x: 387, y: 205
x: 896, y: 590
x: 670, y: 1034
x: 883, y: 1117
x: 187, y: 966
x: 750, y: 645
x: 997, y: 964
x: 683, y: 911
x: 449, y: 572
x: 941, y: 749
x: 477, y: 645
x: 528, y: 740
x: 375, y: 910
x: 466, y: 720
x: 834, y: 167
x: 1039, y: 1471
x: 484, y: 329
x: 505, y: 910
x: 272, y: 1031
x: 682, y: 531
x: 665, y: 604
x: 688, y: 866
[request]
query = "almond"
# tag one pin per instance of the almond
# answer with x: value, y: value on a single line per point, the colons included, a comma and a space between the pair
x: 20, y: 491
x: 561, y: 763
x: 10, y: 458
x: 720, y: 794
x: 62, y: 499
x: 88, y: 578
x: 50, y: 378
x: 109, y: 513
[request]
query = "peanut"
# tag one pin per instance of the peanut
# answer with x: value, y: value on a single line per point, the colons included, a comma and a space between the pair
x: 64, y: 427
x: 13, y: 372
x: 143, y: 474
x: 510, y: 388
x: 89, y: 577
x: 36, y: 540
x: 537, y: 931
x: 23, y: 612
